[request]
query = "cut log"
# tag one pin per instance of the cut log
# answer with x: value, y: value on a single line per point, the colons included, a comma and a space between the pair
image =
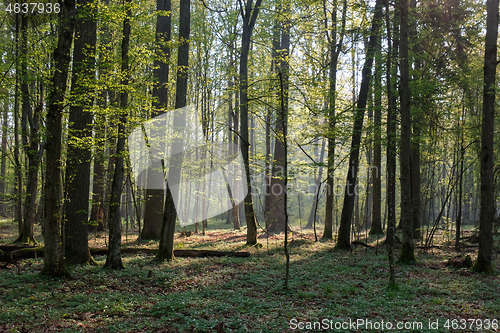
x: 9, y: 253
x: 361, y: 243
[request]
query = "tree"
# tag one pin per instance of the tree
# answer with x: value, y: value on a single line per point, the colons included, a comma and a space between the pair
x: 484, y: 261
x: 391, y: 72
x: 335, y: 42
x: 344, y: 236
x: 53, y: 258
x: 166, y: 248
x: 249, y: 16
x: 3, y: 162
x: 31, y: 142
x: 153, y: 211
x: 314, y: 207
x: 277, y: 202
x: 376, y: 226
x: 79, y: 155
x: 416, y: 116
x: 104, y: 67
x: 407, y: 255
x: 114, y: 258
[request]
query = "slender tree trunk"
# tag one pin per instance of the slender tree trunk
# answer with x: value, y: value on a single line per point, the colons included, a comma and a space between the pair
x: 407, y: 255
x: 335, y: 43
x: 30, y: 142
x: 166, y: 248
x: 391, y: 72
x: 96, y: 220
x: 53, y: 256
x: 18, y: 187
x: 97, y: 212
x: 236, y: 119
x: 249, y: 18
x: 272, y: 105
x: 153, y: 212
x: 114, y: 258
x: 76, y: 246
x: 314, y: 207
x: 416, y: 202
x: 343, y: 240
x: 376, y: 226
x: 484, y: 262
x: 460, y: 182
x: 277, y: 200
x: 3, y: 163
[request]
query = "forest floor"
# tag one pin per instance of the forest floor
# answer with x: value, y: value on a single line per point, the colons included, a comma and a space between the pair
x: 332, y: 288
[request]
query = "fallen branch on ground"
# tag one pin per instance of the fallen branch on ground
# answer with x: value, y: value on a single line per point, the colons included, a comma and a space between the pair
x: 15, y: 252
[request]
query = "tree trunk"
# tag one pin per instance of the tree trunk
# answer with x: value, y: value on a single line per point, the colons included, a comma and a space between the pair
x: 114, y: 258
x: 376, y: 226
x: 335, y: 44
x: 31, y: 142
x: 461, y: 180
x: 314, y: 207
x: 277, y: 196
x: 3, y: 163
x: 18, y: 187
x: 98, y: 187
x: 76, y: 246
x: 416, y: 115
x: 54, y: 259
x: 166, y: 248
x: 343, y: 240
x: 484, y: 262
x: 153, y: 211
x: 249, y: 18
x: 391, y: 73
x: 236, y: 209
x: 407, y: 255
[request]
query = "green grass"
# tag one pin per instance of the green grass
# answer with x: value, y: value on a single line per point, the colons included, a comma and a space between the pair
x: 245, y: 294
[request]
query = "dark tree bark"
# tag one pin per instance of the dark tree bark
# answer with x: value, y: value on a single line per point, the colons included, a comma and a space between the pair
x: 53, y: 258
x: 484, y: 262
x: 249, y: 16
x: 416, y: 202
x: 79, y: 156
x: 391, y: 73
x: 96, y: 220
x: 18, y: 187
x: 3, y: 163
x: 31, y: 140
x: 277, y: 195
x: 335, y: 43
x: 461, y: 154
x: 273, y: 99
x: 407, y: 255
x: 344, y: 240
x: 153, y: 211
x: 376, y: 226
x: 114, y: 258
x: 166, y: 248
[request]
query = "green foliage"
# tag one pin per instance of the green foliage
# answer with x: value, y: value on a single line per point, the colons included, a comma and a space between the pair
x: 243, y: 293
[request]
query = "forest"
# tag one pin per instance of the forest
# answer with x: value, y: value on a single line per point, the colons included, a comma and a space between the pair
x: 249, y: 166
